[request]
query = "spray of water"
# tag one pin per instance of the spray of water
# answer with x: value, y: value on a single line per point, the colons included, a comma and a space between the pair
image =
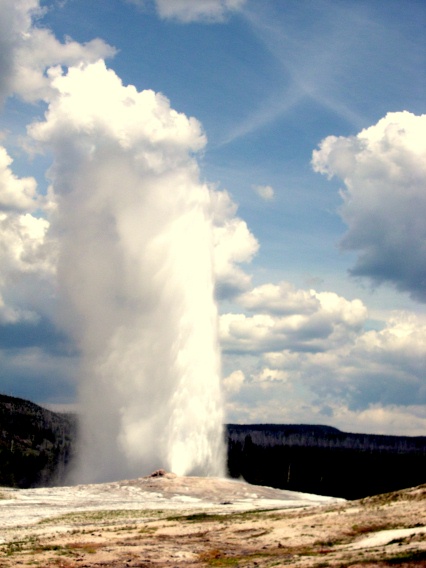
x: 135, y: 277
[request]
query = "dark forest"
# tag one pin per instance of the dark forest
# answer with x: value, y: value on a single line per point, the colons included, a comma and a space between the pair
x: 37, y: 446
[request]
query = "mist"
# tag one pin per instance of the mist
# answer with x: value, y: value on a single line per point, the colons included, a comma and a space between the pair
x: 135, y: 283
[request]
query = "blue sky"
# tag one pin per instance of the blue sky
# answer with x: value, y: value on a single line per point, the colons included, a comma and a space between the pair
x: 321, y: 290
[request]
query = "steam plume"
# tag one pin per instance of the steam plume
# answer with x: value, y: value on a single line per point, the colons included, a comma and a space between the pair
x: 135, y: 276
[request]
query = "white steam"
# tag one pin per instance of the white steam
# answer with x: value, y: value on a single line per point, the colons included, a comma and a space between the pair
x: 136, y: 276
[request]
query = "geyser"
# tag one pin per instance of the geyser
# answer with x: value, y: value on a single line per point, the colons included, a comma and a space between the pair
x: 135, y: 277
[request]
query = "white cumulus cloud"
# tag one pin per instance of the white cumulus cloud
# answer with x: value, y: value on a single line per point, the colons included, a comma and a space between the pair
x: 27, y: 256
x: 282, y: 298
x: 234, y: 244
x: 355, y: 369
x: 290, y: 319
x: 384, y: 199
x: 19, y: 194
x: 27, y: 51
x: 305, y: 353
x: 233, y: 382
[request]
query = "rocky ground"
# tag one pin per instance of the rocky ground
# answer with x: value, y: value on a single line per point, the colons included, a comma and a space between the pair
x: 168, y: 521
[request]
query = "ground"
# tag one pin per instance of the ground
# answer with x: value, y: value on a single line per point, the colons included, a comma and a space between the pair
x: 181, y: 522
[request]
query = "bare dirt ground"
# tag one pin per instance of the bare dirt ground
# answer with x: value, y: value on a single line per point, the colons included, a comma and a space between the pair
x: 175, y: 522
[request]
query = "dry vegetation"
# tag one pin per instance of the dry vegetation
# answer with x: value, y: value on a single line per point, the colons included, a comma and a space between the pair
x: 382, y: 531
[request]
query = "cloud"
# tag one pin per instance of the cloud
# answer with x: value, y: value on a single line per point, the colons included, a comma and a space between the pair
x: 279, y: 299
x: 27, y: 51
x: 27, y: 256
x: 267, y: 375
x: 133, y: 119
x: 27, y: 269
x: 24, y: 248
x: 13, y: 315
x: 307, y: 353
x: 373, y: 367
x: 328, y: 357
x: 187, y: 11
x: 234, y: 244
x: 289, y: 319
x: 384, y: 198
x: 266, y: 192
x: 123, y: 166
x: 233, y: 382
x: 373, y: 384
x: 28, y: 251
x: 15, y: 194
x: 283, y: 408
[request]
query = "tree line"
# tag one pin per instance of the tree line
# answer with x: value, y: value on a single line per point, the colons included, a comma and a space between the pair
x: 37, y: 446
x: 323, y: 460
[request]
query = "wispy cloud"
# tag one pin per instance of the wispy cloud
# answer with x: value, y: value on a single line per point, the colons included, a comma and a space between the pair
x: 314, y: 60
x: 266, y: 192
x: 188, y: 11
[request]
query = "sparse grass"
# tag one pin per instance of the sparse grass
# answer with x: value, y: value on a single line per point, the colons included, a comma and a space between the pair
x: 415, y: 494
x: 33, y: 545
x: 58, y: 549
x: 275, y: 556
x: 199, y: 517
x: 327, y: 543
x: 357, y: 530
x: 148, y: 530
x: 16, y: 546
x: 367, y: 528
x: 216, y: 557
x: 104, y: 516
x: 86, y: 547
x: 255, y: 513
x: 412, y: 556
x: 408, y: 559
x: 11, y: 548
x: 26, y: 545
x: 126, y: 528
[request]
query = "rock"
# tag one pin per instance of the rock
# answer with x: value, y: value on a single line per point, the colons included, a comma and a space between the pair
x: 161, y: 473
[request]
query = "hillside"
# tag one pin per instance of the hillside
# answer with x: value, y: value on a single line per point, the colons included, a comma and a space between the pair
x: 324, y: 460
x: 35, y: 443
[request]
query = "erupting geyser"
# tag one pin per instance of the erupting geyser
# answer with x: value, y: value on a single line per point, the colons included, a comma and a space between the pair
x: 135, y: 277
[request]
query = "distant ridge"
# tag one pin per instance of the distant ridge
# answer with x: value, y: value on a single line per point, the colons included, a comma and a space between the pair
x: 285, y: 428
x: 322, y: 435
x: 35, y: 443
x: 324, y: 460
x: 36, y: 446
